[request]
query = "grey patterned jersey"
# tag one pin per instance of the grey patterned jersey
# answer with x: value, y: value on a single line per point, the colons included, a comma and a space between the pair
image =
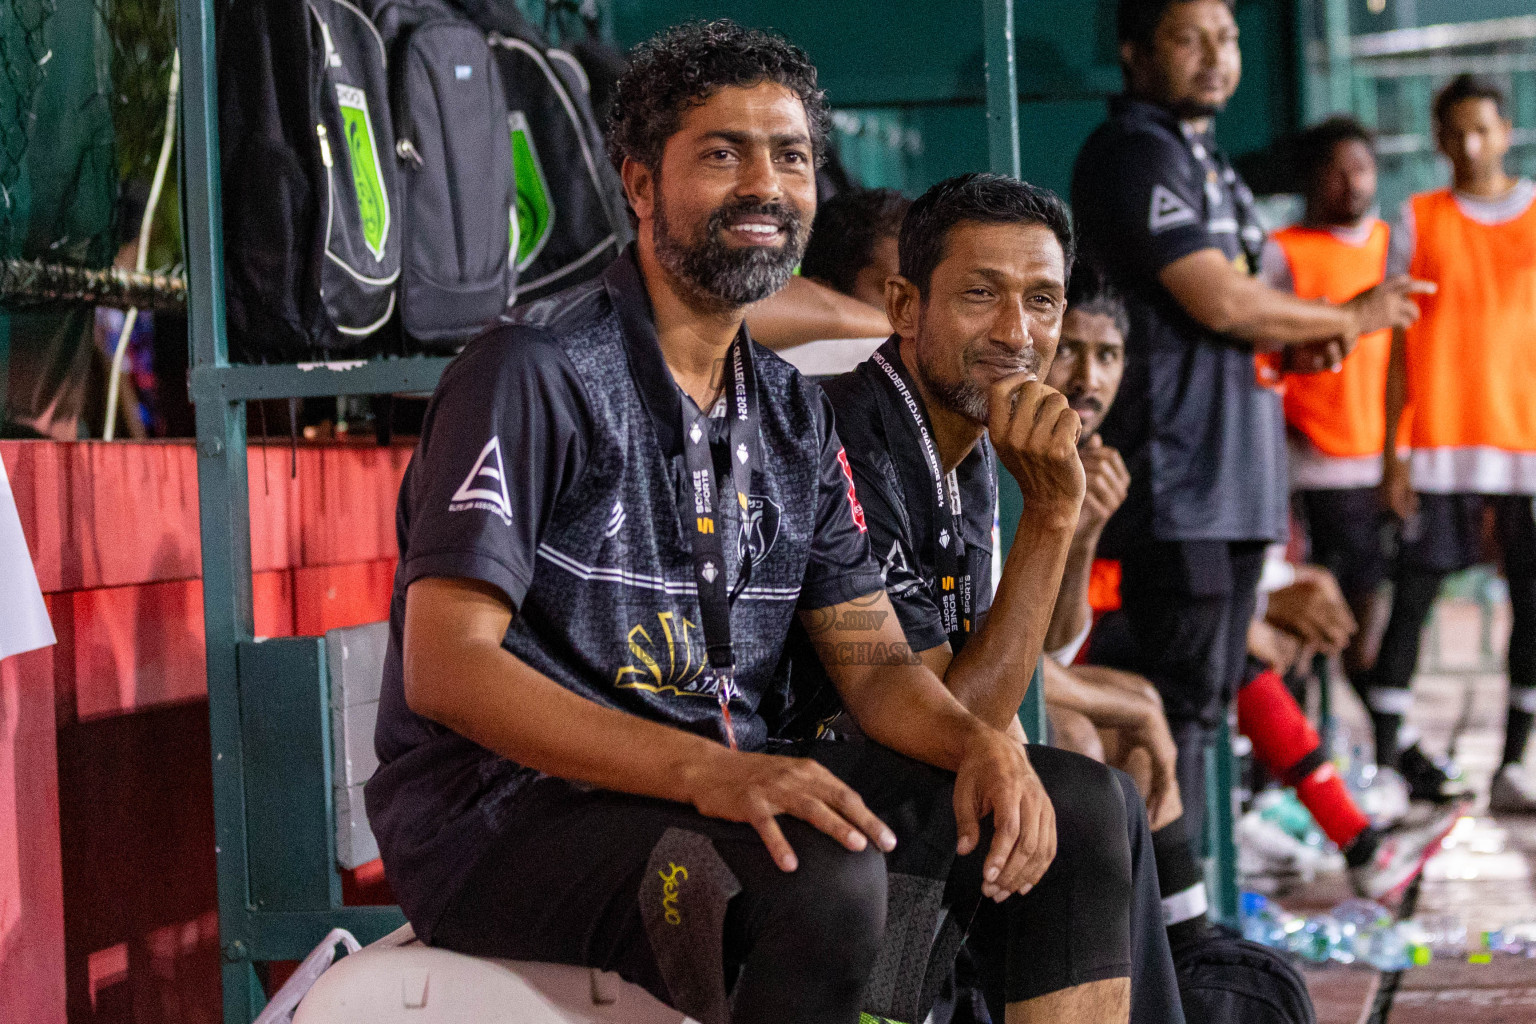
x: 550, y: 467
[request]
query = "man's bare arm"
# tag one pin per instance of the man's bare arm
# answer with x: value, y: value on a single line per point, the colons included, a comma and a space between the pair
x: 804, y: 311
x: 1396, y: 485
x: 458, y: 674
x: 898, y: 701
x: 1230, y: 302
x: 1108, y: 483
x: 1034, y: 433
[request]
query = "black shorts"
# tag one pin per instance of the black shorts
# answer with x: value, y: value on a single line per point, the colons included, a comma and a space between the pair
x: 1348, y: 533
x: 677, y: 902
x: 1448, y: 534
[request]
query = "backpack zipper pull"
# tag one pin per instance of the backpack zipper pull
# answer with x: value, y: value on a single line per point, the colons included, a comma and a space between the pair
x: 325, y: 145
x: 405, y: 149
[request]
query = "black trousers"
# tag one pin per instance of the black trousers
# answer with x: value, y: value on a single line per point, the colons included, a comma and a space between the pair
x: 1185, y: 611
x: 694, y: 910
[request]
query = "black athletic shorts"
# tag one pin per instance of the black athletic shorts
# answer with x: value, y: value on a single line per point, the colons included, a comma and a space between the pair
x: 1348, y: 533
x: 1447, y: 535
x: 680, y: 903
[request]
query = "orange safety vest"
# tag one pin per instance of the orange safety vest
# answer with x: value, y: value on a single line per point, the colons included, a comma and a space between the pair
x: 1471, y: 357
x: 1343, y: 414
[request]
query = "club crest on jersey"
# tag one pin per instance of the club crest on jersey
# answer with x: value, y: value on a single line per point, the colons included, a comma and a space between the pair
x: 762, y: 527
x: 1168, y: 211
x: 485, y: 488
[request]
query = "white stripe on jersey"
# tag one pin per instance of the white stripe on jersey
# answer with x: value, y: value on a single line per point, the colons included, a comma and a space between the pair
x: 675, y: 588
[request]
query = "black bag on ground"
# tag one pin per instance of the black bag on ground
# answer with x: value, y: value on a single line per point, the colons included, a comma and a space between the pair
x: 571, y: 213
x: 457, y: 190
x: 1225, y: 979
x: 310, y: 200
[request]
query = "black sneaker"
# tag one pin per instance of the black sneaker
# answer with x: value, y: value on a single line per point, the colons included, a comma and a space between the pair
x: 1428, y: 779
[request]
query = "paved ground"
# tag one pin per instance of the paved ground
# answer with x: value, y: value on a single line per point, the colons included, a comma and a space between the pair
x: 1483, y: 874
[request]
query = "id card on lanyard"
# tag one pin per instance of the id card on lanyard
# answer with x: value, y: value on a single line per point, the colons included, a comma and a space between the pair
x: 703, y: 529
x: 953, y: 584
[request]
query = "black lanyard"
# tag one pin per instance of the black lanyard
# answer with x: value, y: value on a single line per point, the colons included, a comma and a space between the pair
x: 953, y: 581
x: 703, y: 528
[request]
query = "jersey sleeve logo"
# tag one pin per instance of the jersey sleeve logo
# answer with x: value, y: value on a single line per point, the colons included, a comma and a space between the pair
x: 1168, y: 211
x: 485, y: 488
x: 853, y: 495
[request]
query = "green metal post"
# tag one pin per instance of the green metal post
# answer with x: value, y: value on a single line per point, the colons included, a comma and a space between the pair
x: 1003, y: 153
x: 224, y: 502
x: 1220, y: 823
x: 1336, y: 44
x: 1002, y: 88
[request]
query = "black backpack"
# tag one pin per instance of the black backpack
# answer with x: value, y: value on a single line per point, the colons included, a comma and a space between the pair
x: 312, y: 221
x: 1225, y: 979
x: 457, y: 189
x: 572, y: 216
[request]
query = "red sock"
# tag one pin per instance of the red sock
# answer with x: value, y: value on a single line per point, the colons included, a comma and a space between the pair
x: 1325, y: 795
x: 1285, y: 743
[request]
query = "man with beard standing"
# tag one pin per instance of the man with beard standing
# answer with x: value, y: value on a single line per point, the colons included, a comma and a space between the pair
x: 618, y: 507
x: 1160, y: 207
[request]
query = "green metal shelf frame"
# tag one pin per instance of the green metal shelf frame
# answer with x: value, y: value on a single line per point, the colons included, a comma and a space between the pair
x: 264, y: 918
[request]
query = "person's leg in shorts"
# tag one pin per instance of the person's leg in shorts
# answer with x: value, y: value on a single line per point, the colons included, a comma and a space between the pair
x: 1515, y: 521
x: 694, y: 910
x: 1089, y: 918
x: 1344, y: 530
x: 1187, y: 605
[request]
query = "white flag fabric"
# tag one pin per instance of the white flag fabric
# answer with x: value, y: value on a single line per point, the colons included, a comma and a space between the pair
x: 24, y: 624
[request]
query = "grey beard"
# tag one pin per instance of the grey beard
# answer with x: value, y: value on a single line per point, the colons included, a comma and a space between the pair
x: 732, y: 276
x: 964, y: 398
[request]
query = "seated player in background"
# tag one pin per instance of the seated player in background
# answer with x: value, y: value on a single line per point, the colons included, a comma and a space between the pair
x: 1465, y: 372
x: 1303, y: 612
x: 1113, y: 714
x: 1336, y: 422
x: 580, y: 724
x: 853, y: 245
x: 977, y: 305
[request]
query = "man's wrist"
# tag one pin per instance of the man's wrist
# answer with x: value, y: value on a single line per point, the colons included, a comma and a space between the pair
x: 695, y: 770
x: 1058, y: 516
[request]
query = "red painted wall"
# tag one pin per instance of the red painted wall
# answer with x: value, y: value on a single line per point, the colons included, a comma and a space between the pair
x: 106, y: 863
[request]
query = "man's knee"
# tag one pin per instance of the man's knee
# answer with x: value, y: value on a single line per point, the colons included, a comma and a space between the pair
x: 834, y: 895
x: 1092, y: 833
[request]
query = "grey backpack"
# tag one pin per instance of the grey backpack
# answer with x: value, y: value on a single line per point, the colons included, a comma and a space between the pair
x: 458, y: 194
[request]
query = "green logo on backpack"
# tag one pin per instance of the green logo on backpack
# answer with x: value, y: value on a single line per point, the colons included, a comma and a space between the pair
x: 535, y: 212
x: 367, y: 175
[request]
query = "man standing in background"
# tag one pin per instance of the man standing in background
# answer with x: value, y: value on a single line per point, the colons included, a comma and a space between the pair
x: 1465, y: 370
x: 1160, y: 207
x: 1336, y: 422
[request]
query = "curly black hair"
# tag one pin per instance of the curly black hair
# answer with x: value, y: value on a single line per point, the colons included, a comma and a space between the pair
x: 1091, y: 291
x: 685, y: 65
x: 845, y: 232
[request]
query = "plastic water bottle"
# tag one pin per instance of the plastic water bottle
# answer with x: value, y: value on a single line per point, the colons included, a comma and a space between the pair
x: 1444, y: 935
x: 1373, y: 937
x: 1266, y: 922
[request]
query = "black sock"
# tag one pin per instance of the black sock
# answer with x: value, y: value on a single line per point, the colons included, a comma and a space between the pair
x: 1388, y: 728
x: 1363, y: 847
x: 1181, y: 882
x: 1517, y: 730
